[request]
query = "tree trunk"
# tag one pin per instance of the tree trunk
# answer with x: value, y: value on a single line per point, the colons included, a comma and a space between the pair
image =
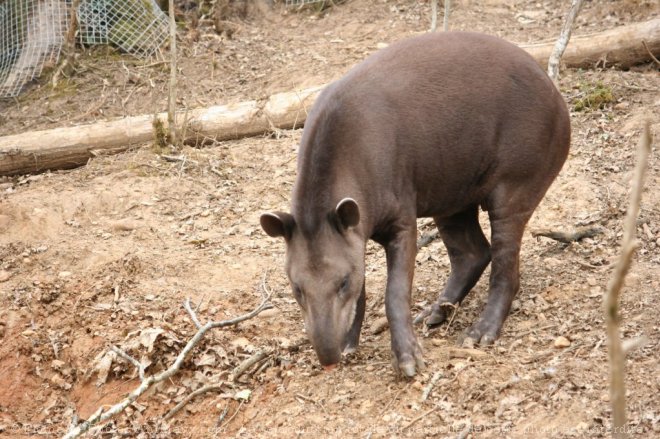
x: 620, y: 47
x: 62, y: 148
x: 69, y: 147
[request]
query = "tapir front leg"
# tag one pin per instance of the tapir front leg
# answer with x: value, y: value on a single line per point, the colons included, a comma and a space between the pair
x: 400, y: 250
x: 353, y: 337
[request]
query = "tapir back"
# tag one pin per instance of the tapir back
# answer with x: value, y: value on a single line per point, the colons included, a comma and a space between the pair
x: 413, y: 121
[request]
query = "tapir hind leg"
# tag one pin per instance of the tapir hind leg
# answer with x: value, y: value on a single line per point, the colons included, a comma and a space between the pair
x: 469, y: 255
x: 509, y: 208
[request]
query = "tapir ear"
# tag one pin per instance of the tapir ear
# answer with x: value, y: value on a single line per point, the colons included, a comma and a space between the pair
x: 348, y: 212
x: 277, y: 224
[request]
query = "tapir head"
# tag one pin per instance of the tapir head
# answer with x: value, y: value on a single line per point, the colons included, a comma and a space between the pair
x: 325, y: 265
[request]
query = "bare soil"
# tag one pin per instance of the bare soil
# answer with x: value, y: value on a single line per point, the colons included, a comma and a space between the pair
x: 106, y: 254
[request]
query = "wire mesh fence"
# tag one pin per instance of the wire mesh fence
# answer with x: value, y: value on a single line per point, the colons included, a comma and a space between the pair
x: 32, y: 33
x: 138, y: 27
x: 31, y: 36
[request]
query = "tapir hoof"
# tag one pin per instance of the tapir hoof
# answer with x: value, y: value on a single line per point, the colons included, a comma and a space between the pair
x: 435, y: 315
x: 480, y: 333
x: 408, y: 365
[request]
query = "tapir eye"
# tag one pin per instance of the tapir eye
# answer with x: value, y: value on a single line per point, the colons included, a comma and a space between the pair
x: 344, y: 284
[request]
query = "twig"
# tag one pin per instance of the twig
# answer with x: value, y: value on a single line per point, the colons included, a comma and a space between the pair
x: 568, y: 237
x: 434, y: 15
x: 181, y: 158
x: 429, y: 386
x: 193, y: 315
x: 187, y: 399
x: 455, y: 307
x: 650, y: 53
x: 393, y: 399
x: 222, y: 416
x: 611, y: 300
x: 445, y: 22
x: 234, y: 415
x: 423, y: 415
x: 130, y: 359
x: 171, y: 104
x: 102, y: 415
x: 69, y: 44
x: 245, y: 365
x: 562, y: 41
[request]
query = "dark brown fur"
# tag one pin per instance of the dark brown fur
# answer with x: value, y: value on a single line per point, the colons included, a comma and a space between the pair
x: 433, y: 126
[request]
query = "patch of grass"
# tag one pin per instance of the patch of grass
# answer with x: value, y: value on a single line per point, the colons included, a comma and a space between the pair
x: 161, y: 137
x: 593, y: 96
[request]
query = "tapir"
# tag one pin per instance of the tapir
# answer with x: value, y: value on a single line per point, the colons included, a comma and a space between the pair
x: 438, y: 126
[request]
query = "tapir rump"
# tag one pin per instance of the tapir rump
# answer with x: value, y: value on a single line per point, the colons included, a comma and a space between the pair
x: 438, y: 126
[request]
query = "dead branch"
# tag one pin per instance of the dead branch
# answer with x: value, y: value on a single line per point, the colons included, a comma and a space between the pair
x: 434, y: 15
x: 646, y: 46
x: 427, y: 390
x: 171, y: 102
x: 102, y: 415
x: 445, y: 21
x: 611, y: 300
x: 187, y: 399
x: 191, y: 313
x: 562, y: 41
x: 568, y: 237
x: 245, y: 365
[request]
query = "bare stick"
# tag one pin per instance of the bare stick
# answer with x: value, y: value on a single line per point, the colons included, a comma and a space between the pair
x: 187, y: 399
x: 130, y: 359
x: 562, y: 41
x: 69, y: 44
x: 650, y: 53
x: 193, y: 315
x: 102, y: 415
x: 231, y: 418
x: 245, y: 365
x: 445, y: 22
x: 429, y: 387
x: 423, y: 415
x: 171, y: 107
x: 611, y: 300
x: 568, y: 237
x: 434, y: 15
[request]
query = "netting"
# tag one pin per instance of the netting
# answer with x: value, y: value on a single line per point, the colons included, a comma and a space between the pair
x: 32, y: 33
x: 138, y: 27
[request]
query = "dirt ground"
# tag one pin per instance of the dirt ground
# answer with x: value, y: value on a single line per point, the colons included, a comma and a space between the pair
x: 106, y: 255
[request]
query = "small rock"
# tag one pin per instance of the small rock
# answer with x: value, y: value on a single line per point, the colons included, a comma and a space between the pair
x: 381, y: 45
x: 124, y: 225
x: 4, y: 275
x: 57, y: 364
x: 28, y: 333
x: 592, y: 281
x: 269, y: 313
x: 561, y: 342
x: 64, y: 274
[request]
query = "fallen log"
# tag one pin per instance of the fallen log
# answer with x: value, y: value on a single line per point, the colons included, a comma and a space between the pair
x: 63, y: 148
x: 619, y: 47
x: 69, y: 147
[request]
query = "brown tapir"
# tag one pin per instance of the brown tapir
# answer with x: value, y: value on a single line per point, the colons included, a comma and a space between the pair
x: 433, y: 126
